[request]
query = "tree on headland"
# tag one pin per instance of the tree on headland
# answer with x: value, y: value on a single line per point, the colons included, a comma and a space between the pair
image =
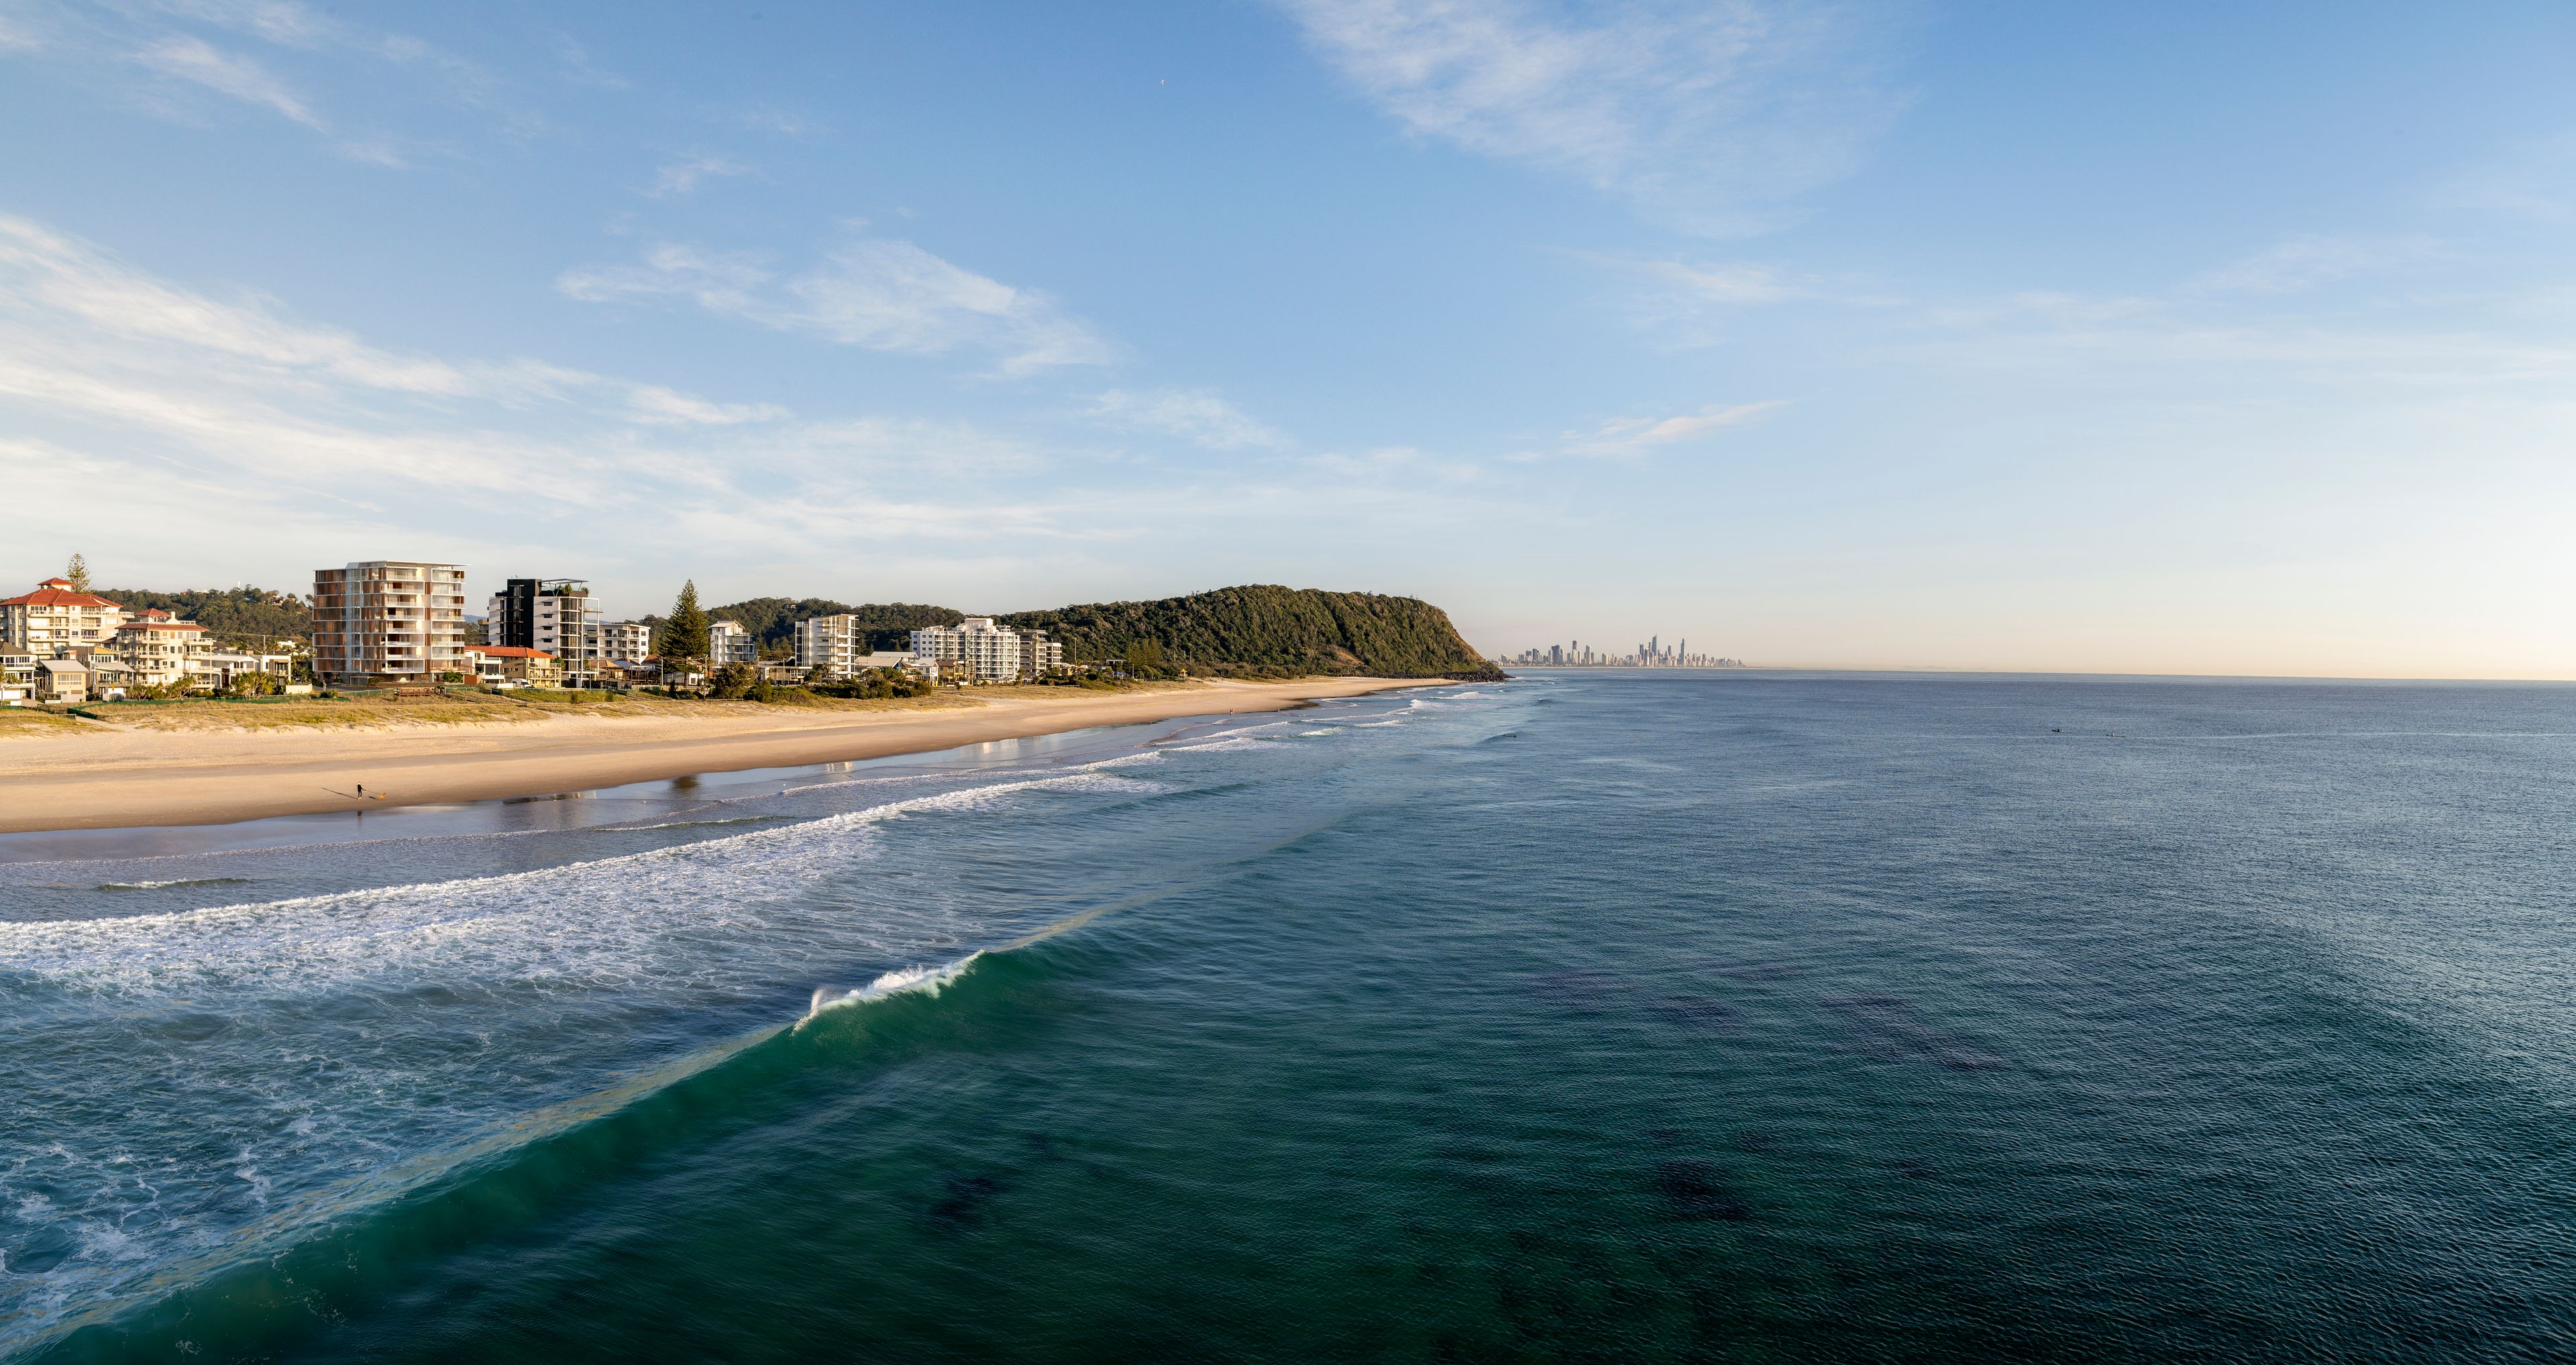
x: 78, y: 572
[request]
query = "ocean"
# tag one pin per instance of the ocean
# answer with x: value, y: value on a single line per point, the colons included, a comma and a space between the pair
x: 1589, y: 1016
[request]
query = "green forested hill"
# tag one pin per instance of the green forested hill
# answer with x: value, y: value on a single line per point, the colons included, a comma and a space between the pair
x: 1267, y: 628
x: 234, y: 616
x: 772, y: 620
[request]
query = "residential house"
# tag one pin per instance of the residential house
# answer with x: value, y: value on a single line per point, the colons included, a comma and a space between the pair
x: 17, y: 676
x: 510, y: 665
x: 216, y: 669
x: 62, y: 680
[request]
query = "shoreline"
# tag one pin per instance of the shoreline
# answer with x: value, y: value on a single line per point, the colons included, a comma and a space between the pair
x: 142, y: 779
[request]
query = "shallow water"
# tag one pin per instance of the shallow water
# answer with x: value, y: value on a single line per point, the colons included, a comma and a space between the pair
x: 1592, y: 1015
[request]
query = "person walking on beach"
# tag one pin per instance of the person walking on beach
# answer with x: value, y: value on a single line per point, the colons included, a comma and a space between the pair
x: 362, y: 791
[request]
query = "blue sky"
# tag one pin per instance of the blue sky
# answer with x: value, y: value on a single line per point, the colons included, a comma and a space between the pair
x: 2177, y: 338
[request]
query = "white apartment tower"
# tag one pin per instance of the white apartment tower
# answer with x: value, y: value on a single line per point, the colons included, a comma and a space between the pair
x: 834, y: 647
x: 729, y: 643
x: 388, y: 621
x: 973, y: 650
x: 555, y: 615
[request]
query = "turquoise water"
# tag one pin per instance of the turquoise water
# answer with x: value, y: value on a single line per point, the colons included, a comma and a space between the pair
x: 1590, y: 1016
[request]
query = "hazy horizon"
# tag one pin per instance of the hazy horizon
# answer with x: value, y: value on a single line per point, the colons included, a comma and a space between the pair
x: 1859, y: 336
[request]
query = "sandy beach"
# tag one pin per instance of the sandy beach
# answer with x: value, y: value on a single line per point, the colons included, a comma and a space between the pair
x: 98, y: 777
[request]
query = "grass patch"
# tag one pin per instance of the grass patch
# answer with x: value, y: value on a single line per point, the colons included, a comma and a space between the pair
x: 34, y: 720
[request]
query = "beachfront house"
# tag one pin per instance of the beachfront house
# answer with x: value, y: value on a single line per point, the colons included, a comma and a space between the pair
x: 512, y: 666
x: 62, y: 680
x: 17, y: 676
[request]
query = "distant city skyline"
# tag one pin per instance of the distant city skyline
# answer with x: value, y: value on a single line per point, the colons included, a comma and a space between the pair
x: 2200, y: 339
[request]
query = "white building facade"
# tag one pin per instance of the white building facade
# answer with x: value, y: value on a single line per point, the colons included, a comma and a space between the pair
x: 973, y: 650
x: 554, y: 615
x: 830, y: 648
x: 729, y: 643
x: 57, y: 616
x: 625, y: 643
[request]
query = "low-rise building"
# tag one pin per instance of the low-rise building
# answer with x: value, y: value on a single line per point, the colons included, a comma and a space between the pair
x: 973, y: 650
x: 512, y: 665
x: 216, y: 670
x: 17, y: 676
x: 62, y: 680
x: 896, y: 658
x: 830, y: 646
x: 56, y: 617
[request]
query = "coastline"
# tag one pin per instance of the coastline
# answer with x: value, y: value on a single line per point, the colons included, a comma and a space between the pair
x: 129, y: 779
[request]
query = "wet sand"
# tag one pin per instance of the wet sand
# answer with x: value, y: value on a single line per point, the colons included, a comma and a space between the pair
x: 101, y: 779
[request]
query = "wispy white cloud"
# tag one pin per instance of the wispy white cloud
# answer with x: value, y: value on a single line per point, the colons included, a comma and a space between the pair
x: 1195, y: 415
x: 876, y: 293
x: 660, y: 406
x: 1636, y: 435
x: 2305, y: 261
x: 1705, y: 113
x: 1728, y: 284
x: 194, y: 59
x: 681, y: 177
x: 190, y: 46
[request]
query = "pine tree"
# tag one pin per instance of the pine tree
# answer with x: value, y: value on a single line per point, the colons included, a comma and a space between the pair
x: 78, y: 573
x: 684, y: 636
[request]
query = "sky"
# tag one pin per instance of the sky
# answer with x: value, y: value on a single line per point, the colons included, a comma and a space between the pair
x: 2173, y: 338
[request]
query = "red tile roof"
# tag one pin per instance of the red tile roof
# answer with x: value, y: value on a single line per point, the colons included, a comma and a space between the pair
x: 507, y: 652
x: 165, y: 623
x: 48, y: 595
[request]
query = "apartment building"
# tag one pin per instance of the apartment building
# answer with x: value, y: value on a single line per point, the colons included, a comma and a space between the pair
x: 555, y: 615
x: 729, y: 643
x: 160, y: 649
x: 973, y: 650
x: 830, y: 647
x: 625, y: 643
x: 1040, y: 655
x: 54, y: 618
x: 388, y: 621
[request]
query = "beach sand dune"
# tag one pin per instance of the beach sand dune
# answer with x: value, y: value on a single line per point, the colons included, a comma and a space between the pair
x: 97, y: 777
